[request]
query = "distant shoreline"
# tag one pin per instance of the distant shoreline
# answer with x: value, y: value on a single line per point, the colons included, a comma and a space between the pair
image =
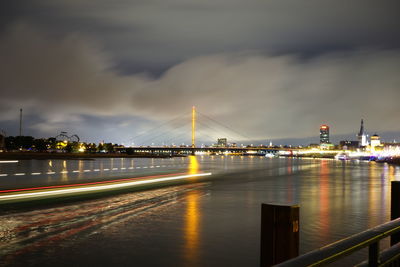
x: 71, y: 156
x: 389, y: 160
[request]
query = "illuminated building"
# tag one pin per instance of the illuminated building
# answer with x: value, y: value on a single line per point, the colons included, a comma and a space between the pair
x: 222, y: 142
x: 392, y: 148
x: 313, y: 146
x: 375, y: 141
x: 324, y: 134
x: 348, y: 145
x: 362, y: 137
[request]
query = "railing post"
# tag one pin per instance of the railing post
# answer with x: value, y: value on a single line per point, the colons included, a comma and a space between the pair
x: 279, y: 233
x: 373, y: 255
x: 395, y: 209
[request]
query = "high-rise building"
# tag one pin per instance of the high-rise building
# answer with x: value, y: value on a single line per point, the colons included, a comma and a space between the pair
x: 222, y: 142
x: 324, y: 134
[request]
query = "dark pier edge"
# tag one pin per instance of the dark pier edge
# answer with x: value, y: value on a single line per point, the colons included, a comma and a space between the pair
x: 395, y: 209
x: 279, y: 233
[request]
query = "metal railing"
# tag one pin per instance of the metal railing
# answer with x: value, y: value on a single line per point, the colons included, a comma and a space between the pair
x: 344, y: 247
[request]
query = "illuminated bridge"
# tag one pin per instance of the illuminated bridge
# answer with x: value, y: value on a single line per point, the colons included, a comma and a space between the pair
x: 162, y: 142
x: 202, y: 150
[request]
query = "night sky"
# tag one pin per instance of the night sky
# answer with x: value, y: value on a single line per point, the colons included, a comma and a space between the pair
x: 112, y: 70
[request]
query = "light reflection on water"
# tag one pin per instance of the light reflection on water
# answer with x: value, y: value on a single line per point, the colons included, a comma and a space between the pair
x: 28, y: 232
x: 191, y: 229
x: 212, y: 223
x: 324, y: 199
x: 193, y: 166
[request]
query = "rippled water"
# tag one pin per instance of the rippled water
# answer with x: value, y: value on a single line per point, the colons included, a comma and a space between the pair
x: 211, y: 222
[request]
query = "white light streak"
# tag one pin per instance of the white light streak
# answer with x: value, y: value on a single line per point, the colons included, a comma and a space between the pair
x: 36, y: 173
x: 75, y: 171
x: 8, y: 161
x: 50, y: 172
x: 19, y: 174
x: 3, y: 174
x: 96, y: 187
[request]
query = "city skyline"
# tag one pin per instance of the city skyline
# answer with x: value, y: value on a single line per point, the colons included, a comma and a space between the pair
x: 112, y: 72
x: 335, y: 139
x: 195, y: 133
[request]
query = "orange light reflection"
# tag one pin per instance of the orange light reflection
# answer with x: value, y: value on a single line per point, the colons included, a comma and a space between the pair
x: 193, y: 165
x: 191, y: 233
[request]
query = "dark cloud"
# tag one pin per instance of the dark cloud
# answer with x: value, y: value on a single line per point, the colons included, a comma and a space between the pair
x: 159, y: 32
x: 54, y: 72
x: 261, y: 95
x: 284, y: 95
x: 273, y: 69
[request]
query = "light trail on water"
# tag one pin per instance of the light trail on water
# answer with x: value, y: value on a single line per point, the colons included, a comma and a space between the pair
x: 90, y: 170
x: 30, y: 231
x: 51, y: 191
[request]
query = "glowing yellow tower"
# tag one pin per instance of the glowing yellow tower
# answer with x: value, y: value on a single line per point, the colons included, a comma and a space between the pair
x: 193, y: 126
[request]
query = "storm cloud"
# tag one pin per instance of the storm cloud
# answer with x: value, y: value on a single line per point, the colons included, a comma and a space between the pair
x: 273, y: 69
x: 153, y: 35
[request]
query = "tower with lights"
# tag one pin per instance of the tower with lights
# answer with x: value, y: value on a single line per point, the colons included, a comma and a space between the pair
x: 324, y: 134
x: 362, y: 137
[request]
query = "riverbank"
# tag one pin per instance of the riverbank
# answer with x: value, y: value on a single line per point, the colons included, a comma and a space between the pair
x: 71, y: 156
x: 389, y: 160
x: 394, y: 161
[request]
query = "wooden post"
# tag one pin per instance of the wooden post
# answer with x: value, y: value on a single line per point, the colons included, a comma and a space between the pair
x: 373, y: 255
x: 395, y: 209
x: 279, y: 233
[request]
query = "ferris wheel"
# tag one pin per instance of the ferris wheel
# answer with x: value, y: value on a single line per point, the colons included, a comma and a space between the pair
x: 65, y: 137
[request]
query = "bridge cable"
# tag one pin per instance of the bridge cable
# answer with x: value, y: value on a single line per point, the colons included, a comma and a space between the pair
x: 246, y: 138
x: 214, y: 138
x: 158, y: 127
x: 158, y: 134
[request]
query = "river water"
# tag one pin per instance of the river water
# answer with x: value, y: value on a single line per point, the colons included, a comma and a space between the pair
x: 210, y: 222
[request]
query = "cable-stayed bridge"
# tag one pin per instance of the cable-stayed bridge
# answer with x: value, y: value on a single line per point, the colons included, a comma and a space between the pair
x: 172, y: 137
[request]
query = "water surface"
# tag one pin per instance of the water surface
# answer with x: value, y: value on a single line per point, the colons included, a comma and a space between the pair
x: 211, y: 222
